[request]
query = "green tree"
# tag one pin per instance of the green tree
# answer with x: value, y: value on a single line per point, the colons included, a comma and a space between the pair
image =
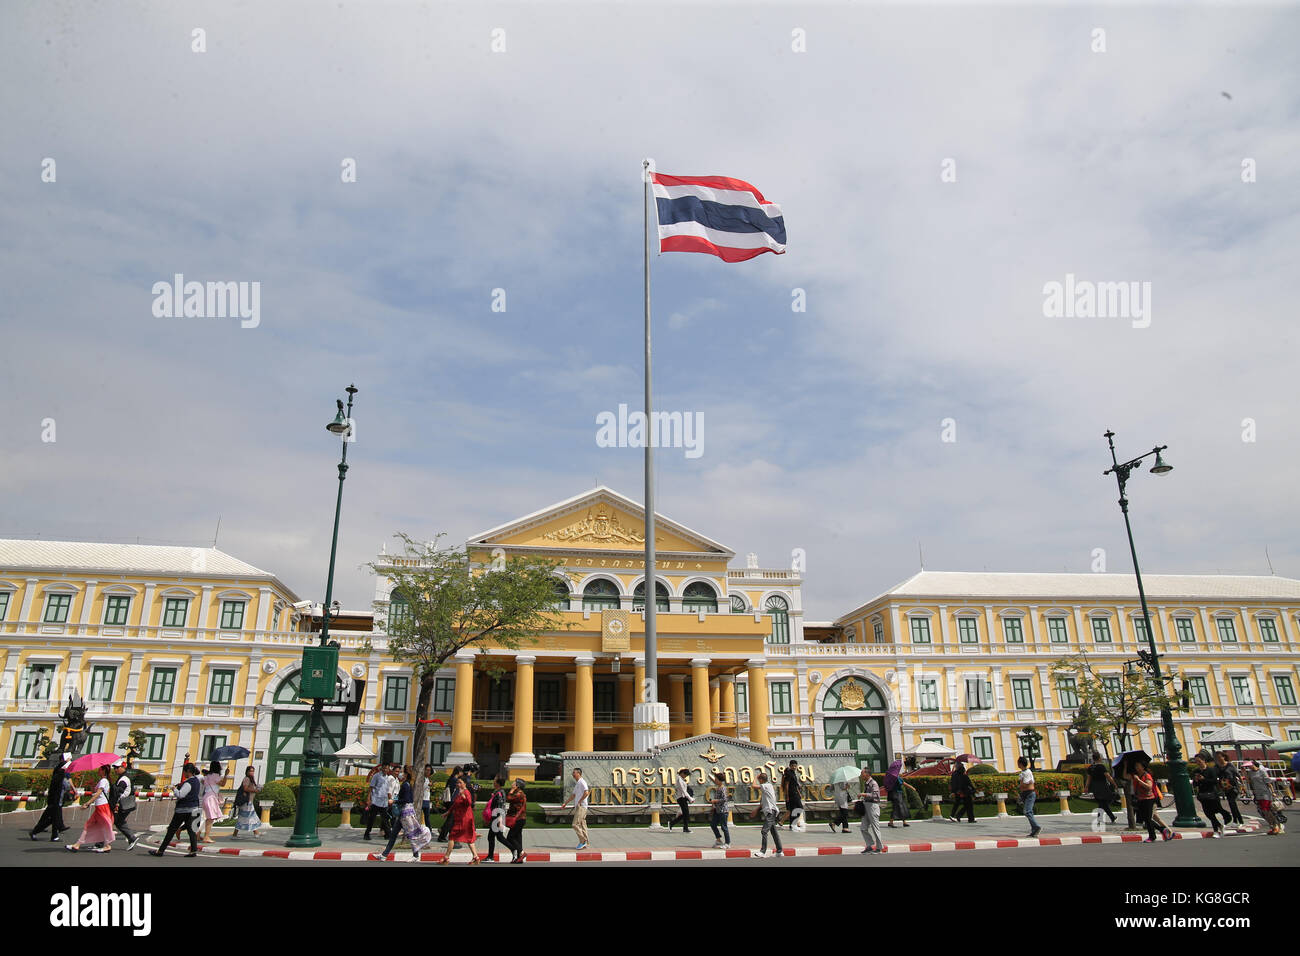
x: 442, y: 602
x: 1110, y: 703
x: 45, y: 744
x: 134, y: 744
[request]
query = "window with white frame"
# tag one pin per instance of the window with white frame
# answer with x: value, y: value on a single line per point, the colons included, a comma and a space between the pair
x: 162, y: 685
x: 1022, y: 693
x: 153, y: 746
x: 1267, y: 629
x: 57, y: 607
x: 175, y: 610
x: 438, y: 751
x: 1285, y: 690
x: 1227, y: 630
x: 1186, y: 630
x: 968, y: 630
x: 982, y: 747
x: 920, y: 627
x: 1140, y: 628
x: 742, y: 698
x: 927, y: 695
x: 1067, y: 689
x: 1101, y: 630
x: 22, y: 744
x: 444, y: 695
x: 1012, y: 631
x: 1199, y: 691
x: 221, y: 688
x: 979, y: 694
x: 1241, y: 692
x: 4, y: 604
x: 1057, y: 632
x: 116, y: 609
x: 783, y: 745
x: 102, y: 678
x: 37, y: 682
x: 877, y: 630
x: 396, y: 691
x: 209, y: 743
x: 781, y: 700
x: 232, y: 615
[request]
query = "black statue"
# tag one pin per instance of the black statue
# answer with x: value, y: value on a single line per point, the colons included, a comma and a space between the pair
x: 72, y: 733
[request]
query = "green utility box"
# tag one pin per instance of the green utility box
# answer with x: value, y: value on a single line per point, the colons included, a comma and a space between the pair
x: 319, y: 669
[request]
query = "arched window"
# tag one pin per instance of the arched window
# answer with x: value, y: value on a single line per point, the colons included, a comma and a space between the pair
x: 661, y: 597
x: 780, y: 611
x: 561, y: 595
x: 737, y: 604
x: 700, y: 597
x: 853, y: 693
x: 599, y: 595
x: 399, y: 611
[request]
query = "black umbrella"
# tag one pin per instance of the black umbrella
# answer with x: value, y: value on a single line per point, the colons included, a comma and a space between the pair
x: 230, y: 752
x: 1127, y: 758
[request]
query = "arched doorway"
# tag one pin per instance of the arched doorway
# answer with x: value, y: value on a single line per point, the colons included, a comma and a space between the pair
x: 854, y: 721
x: 290, y: 722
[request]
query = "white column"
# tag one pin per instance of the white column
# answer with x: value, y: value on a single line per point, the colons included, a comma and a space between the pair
x: 1033, y: 627
x: 146, y: 607
x: 88, y: 599
x: 994, y: 637
x: 943, y: 626
x: 134, y: 665
x: 192, y: 683
x: 205, y: 606
x: 29, y: 594
x: 895, y: 626
x: 263, y: 609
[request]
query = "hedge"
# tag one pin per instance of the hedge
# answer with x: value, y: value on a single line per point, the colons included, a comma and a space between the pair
x: 982, y: 770
x: 13, y: 782
x: 1047, y: 785
x: 285, y: 799
x: 336, y: 790
x: 38, y: 781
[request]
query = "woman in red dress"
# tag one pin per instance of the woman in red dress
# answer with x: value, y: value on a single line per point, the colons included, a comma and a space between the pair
x: 462, y: 823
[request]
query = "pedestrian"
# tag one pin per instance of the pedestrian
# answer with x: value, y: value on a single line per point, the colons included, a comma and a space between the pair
x: 99, y: 825
x: 1261, y: 788
x: 894, y: 788
x: 1209, y: 787
x: 1231, y: 784
x: 462, y: 822
x: 495, y: 816
x: 407, y: 822
x: 210, y: 799
x: 1145, y: 794
x: 424, y: 797
x: 581, y: 791
x: 448, y: 795
x: 1102, y: 787
x: 685, y: 797
x: 185, y: 813
x: 1124, y: 784
x: 792, y: 791
x: 516, y: 819
x: 52, y: 815
x: 378, y: 805
x: 963, y: 794
x: 718, y: 820
x: 392, y: 772
x: 767, y: 809
x: 840, y: 796
x: 870, y: 799
x: 123, y: 804
x: 246, y: 820
x: 1028, y: 795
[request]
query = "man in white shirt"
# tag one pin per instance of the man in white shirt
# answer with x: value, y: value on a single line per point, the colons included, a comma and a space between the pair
x: 579, y: 798
x: 379, y: 791
x: 1028, y: 794
x: 768, y: 811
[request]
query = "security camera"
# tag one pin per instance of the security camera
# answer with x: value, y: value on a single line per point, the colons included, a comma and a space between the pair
x: 302, y: 605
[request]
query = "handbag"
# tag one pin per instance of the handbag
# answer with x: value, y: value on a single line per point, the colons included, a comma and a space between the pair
x: 860, y: 808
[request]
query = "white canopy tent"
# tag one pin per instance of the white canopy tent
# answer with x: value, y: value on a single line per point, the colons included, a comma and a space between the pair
x: 353, y: 753
x: 927, y: 750
x: 1235, y: 735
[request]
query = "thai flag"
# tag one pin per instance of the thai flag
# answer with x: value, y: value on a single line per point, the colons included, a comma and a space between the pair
x: 727, y: 218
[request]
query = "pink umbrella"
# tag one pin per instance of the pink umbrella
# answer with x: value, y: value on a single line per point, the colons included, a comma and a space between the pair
x: 94, y: 762
x: 968, y: 759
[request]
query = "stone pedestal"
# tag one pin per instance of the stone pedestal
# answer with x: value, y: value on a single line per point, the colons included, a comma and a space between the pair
x: 936, y: 810
x: 1001, y: 798
x: 649, y: 726
x: 345, y: 808
x: 265, y: 806
x: 1064, y: 797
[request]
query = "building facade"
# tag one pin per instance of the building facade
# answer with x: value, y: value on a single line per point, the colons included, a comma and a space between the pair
x: 198, y: 649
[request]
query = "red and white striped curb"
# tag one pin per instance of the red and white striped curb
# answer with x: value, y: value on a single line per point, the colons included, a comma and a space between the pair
x: 37, y: 796
x: 634, y: 856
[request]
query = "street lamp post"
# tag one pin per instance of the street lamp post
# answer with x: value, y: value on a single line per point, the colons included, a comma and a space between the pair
x: 1179, y: 781
x: 304, y: 823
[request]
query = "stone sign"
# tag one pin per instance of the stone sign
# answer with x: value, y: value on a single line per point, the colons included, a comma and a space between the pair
x: 619, y: 778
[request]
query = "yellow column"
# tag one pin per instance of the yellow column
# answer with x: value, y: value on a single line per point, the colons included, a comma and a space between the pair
x: 462, y: 716
x: 583, y: 734
x: 626, y: 694
x: 758, y: 702
x: 638, y: 671
x: 728, y: 705
x: 522, y: 763
x: 676, y: 706
x: 715, y: 704
x: 570, y: 682
x: 701, y: 722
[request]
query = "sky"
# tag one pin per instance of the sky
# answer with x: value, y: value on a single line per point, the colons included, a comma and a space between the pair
x: 937, y: 166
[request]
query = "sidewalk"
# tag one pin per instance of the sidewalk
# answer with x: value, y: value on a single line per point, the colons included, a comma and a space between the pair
x: 623, y: 844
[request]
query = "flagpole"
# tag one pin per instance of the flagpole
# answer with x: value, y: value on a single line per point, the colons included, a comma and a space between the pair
x: 651, y: 595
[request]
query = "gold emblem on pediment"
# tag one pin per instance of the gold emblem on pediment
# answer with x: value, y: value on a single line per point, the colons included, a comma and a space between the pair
x: 852, y: 696
x: 603, y: 527
x: 712, y: 755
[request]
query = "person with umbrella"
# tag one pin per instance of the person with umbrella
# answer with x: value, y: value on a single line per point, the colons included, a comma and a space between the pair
x: 210, y: 798
x: 1102, y: 787
x: 894, y: 789
x: 870, y: 799
x: 99, y: 825
x: 52, y: 815
x: 246, y: 820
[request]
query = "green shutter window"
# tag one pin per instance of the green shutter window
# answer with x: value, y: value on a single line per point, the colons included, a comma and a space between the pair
x: 927, y: 692
x: 1022, y: 692
x: 399, y: 612
x: 1199, y: 692
x: 4, y: 604
x: 175, y: 611
x: 1285, y: 692
x: 737, y: 604
x: 1227, y: 632
x: 780, y: 611
x: 878, y: 631
x: 1186, y: 632
x: 1012, y: 631
x: 1067, y: 690
x: 661, y: 598
x: 783, y: 745
x: 781, y: 701
x: 600, y: 595
x: 101, y: 683
x: 1241, y: 692
x: 1113, y: 688
x: 396, y: 691
x: 444, y: 694
x: 162, y: 687
x: 742, y: 698
x: 232, y: 615
x: 37, y: 682
x: 1267, y: 628
x: 979, y: 694
x: 920, y: 627
x: 153, y: 746
x: 1140, y: 629
x: 1057, y: 632
x: 222, y: 688
x: 968, y: 630
x: 1101, y: 630
x: 982, y: 747
x: 698, y: 597
x: 209, y: 743
x: 438, y: 751
x: 57, y: 607
x: 116, y: 608
x: 22, y: 745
